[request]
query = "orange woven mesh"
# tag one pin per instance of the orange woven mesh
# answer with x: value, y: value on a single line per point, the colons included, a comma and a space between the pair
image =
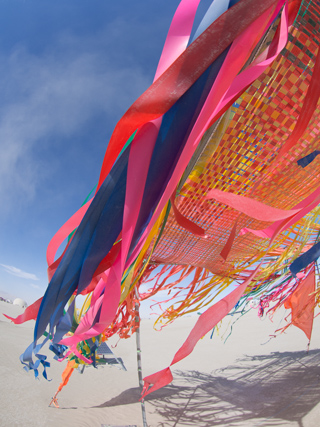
x: 261, y: 121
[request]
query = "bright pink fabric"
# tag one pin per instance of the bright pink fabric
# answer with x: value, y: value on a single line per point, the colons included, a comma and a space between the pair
x: 206, y: 116
x: 227, y: 247
x: 204, y: 324
x: 178, y: 35
x: 185, y: 70
x: 304, y: 207
x: 251, y: 207
x: 245, y: 43
x: 263, y: 61
x: 64, y: 232
x: 138, y: 166
x: 185, y: 222
x: 219, y: 310
x: 302, y: 303
x: 30, y: 313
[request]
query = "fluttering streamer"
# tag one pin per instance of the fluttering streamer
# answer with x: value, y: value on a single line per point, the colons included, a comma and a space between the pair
x: 212, y: 173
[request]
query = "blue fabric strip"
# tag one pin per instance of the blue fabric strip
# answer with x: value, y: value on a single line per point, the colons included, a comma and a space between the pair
x: 92, y: 241
x: 217, y: 8
x: 305, y: 259
x: 305, y: 161
x: 102, y: 222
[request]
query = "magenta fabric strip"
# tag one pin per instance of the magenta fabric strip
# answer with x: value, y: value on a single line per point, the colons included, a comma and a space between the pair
x: 139, y: 160
x: 64, y: 232
x: 251, y: 207
x: 205, y: 118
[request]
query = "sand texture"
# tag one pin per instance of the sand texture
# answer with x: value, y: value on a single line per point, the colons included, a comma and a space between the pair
x: 247, y: 381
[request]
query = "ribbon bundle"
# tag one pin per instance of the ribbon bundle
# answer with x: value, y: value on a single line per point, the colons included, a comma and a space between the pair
x: 212, y: 168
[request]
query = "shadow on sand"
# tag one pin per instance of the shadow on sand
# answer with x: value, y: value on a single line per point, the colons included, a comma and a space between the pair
x: 276, y: 388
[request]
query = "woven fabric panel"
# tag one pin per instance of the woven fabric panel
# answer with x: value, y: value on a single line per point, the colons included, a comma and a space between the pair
x: 259, y: 123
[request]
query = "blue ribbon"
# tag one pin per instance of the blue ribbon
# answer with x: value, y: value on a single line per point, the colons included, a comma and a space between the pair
x: 305, y: 259
x: 305, y: 161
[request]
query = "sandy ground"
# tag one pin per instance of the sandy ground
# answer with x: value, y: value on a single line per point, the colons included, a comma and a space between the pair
x: 247, y: 381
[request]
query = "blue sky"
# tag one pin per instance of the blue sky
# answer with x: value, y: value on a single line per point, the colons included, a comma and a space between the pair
x: 69, y: 69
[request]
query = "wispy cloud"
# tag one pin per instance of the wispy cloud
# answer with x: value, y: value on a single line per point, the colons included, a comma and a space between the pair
x: 35, y: 286
x: 50, y: 96
x: 18, y: 272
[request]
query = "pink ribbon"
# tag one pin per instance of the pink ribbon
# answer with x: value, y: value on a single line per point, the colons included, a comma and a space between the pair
x: 138, y: 165
x: 206, y: 116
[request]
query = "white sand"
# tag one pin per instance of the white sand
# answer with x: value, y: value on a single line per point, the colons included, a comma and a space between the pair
x: 239, y: 383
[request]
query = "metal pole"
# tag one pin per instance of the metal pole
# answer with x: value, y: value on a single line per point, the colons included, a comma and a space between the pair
x: 137, y: 319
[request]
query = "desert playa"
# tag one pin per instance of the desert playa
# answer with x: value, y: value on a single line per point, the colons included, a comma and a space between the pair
x: 250, y: 380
